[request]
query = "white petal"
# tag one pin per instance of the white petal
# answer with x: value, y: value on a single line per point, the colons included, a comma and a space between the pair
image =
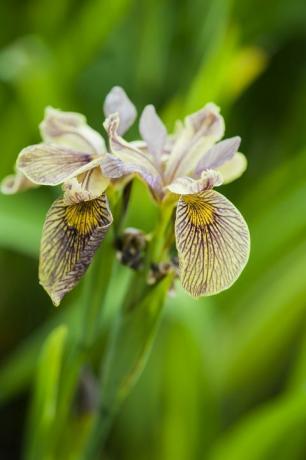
x: 189, y: 186
x: 200, y: 131
x: 16, y: 183
x: 49, y: 164
x: 85, y: 187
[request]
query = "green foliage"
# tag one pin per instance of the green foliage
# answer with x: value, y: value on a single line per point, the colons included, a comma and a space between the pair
x: 43, y: 413
x: 226, y: 377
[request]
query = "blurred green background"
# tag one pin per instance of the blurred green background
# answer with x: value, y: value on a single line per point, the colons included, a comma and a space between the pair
x: 227, y: 376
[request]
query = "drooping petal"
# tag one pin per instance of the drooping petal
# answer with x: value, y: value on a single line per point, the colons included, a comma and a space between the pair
x: 70, y: 129
x: 188, y: 186
x: 70, y: 238
x: 50, y: 164
x: 219, y: 154
x: 234, y: 168
x: 85, y: 187
x: 153, y: 131
x: 198, y: 134
x: 15, y: 183
x: 117, y: 101
x: 128, y: 159
x: 213, y: 242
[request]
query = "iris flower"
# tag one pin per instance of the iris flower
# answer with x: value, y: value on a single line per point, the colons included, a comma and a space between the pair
x: 212, y: 238
x: 76, y: 223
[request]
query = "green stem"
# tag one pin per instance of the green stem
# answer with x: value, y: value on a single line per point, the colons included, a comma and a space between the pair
x: 95, y: 292
x: 85, y: 333
x: 89, y: 315
x: 132, y: 338
x: 156, y: 251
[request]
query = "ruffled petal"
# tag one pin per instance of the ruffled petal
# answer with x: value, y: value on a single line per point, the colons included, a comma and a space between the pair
x: 219, y: 154
x: 198, y: 134
x: 189, y: 186
x: 128, y: 159
x: 234, y: 168
x: 213, y: 243
x: 50, y: 164
x: 71, y: 236
x: 69, y: 129
x: 15, y: 183
x: 117, y: 101
x: 153, y: 131
x: 86, y: 187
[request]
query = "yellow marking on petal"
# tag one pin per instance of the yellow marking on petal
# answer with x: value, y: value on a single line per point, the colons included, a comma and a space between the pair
x: 212, y: 241
x: 82, y: 217
x: 199, y: 213
x: 71, y: 236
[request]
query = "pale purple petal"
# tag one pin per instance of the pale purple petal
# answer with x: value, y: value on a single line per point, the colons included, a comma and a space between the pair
x: 153, y: 131
x: 114, y: 168
x: 219, y: 154
x: 194, y: 138
x: 207, y: 121
x: 128, y: 159
x: 117, y: 101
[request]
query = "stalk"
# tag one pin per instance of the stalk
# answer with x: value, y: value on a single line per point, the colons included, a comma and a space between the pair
x: 85, y: 332
x: 83, y: 337
x: 131, y: 340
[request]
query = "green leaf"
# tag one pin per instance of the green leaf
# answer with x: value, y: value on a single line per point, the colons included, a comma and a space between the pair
x: 126, y: 356
x: 80, y: 35
x: 21, y: 221
x: 131, y: 343
x: 276, y: 306
x: 261, y: 435
x: 17, y: 371
x: 44, y: 403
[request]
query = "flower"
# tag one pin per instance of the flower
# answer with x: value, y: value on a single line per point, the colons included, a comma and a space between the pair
x: 77, y: 222
x: 212, y: 238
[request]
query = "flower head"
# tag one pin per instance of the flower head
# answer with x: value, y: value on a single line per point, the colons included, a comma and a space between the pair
x: 77, y: 222
x: 212, y: 237
x: 183, y: 168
